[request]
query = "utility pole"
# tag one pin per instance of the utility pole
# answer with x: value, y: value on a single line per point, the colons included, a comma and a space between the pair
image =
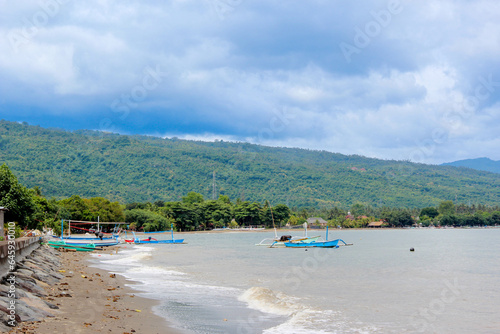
x: 213, y: 188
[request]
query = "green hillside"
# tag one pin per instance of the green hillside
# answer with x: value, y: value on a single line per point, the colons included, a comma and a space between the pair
x: 141, y: 168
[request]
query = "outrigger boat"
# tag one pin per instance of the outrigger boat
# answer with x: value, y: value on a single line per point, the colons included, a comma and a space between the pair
x: 147, y: 238
x: 84, y: 239
x: 280, y: 241
x: 88, y: 239
x: 320, y: 244
x: 96, y: 241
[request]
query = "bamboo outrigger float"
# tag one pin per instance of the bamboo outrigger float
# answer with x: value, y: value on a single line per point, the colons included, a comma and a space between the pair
x: 80, y: 248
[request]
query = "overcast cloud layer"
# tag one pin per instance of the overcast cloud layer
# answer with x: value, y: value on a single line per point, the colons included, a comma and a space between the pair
x: 417, y: 80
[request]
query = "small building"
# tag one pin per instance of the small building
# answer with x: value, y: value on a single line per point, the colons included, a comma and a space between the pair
x: 376, y: 224
x: 349, y: 216
x: 316, y: 222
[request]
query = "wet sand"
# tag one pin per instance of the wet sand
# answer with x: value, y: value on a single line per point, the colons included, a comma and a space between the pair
x: 92, y: 300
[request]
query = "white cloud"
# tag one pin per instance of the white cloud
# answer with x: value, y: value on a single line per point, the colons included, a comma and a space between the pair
x: 267, y: 72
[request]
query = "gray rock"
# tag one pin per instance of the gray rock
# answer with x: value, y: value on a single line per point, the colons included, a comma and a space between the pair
x: 4, y: 323
x: 25, y: 271
x: 4, y: 313
x: 4, y: 303
x: 31, y: 313
x: 51, y: 306
x: 25, y: 278
x: 5, y: 291
x: 46, y: 256
x: 56, y: 275
x: 31, y: 265
x: 20, y: 265
x: 30, y: 287
x: 46, y: 278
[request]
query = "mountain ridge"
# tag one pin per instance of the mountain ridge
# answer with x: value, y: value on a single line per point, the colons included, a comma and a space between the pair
x: 143, y: 168
x: 483, y: 164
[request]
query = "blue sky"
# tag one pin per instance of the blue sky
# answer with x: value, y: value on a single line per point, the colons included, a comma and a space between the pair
x: 405, y: 80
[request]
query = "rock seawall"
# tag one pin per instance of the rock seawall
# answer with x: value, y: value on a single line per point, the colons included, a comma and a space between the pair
x: 23, y: 293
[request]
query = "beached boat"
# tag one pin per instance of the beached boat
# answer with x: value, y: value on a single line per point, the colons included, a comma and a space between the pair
x: 62, y: 244
x: 88, y: 237
x: 77, y: 240
x: 99, y: 238
x: 97, y: 242
x: 154, y: 238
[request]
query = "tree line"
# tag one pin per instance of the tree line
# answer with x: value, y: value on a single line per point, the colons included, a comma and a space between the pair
x: 446, y: 213
x: 31, y: 210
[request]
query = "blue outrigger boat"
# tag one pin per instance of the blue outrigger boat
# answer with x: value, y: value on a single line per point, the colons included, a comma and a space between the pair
x: 321, y: 244
x: 280, y: 241
x: 318, y: 244
x: 147, y: 238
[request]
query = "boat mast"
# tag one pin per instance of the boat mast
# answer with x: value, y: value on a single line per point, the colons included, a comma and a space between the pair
x: 272, y: 217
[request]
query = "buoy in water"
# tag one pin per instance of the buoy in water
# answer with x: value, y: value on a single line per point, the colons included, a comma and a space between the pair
x: 412, y: 249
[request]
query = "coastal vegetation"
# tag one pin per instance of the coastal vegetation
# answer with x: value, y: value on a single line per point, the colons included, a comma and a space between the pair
x: 127, y: 169
x: 30, y: 209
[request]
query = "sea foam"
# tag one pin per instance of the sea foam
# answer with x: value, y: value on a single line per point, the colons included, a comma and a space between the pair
x: 302, y: 318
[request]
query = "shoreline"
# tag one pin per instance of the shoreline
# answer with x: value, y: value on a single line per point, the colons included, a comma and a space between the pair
x: 288, y: 229
x: 94, y: 300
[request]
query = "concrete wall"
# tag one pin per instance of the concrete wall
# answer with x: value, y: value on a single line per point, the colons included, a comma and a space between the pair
x: 24, y: 247
x: 1, y: 220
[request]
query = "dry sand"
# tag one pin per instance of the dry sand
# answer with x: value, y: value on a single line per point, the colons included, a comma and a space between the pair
x: 92, y: 300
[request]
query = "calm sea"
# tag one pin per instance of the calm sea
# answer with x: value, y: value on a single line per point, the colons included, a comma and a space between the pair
x: 223, y: 283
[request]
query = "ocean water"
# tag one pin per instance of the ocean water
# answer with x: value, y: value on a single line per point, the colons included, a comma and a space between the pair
x: 223, y: 283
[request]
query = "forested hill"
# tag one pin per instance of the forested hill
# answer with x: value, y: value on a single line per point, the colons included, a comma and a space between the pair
x: 141, y: 168
x: 484, y: 164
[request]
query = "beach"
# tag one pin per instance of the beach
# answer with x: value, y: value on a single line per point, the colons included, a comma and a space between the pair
x: 223, y: 283
x: 92, y: 300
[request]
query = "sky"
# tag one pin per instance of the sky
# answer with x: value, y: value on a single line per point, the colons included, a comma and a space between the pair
x: 396, y: 79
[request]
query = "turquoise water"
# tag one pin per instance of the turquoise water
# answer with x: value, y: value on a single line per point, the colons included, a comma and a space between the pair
x: 222, y: 283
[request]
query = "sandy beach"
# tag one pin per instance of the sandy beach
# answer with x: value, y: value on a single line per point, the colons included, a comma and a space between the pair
x: 92, y: 300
